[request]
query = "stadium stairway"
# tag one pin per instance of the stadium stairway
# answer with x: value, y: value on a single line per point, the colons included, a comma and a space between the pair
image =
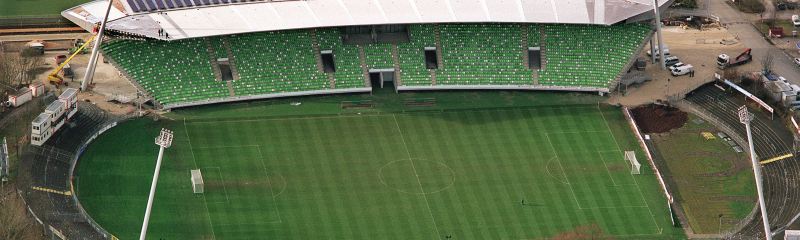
x: 45, y: 175
x: 396, y: 65
x: 317, y: 52
x: 630, y: 63
x: 770, y: 138
x: 362, y: 60
x: 212, y: 58
x: 231, y: 58
x: 438, y: 37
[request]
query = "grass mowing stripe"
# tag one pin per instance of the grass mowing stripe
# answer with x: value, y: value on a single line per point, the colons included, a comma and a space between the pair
x: 194, y: 160
x: 616, y: 143
x: 338, y: 183
x: 413, y: 167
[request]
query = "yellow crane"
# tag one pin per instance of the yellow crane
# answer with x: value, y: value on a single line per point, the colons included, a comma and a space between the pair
x: 54, y: 78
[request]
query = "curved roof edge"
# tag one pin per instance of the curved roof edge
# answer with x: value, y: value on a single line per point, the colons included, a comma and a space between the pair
x: 272, y: 16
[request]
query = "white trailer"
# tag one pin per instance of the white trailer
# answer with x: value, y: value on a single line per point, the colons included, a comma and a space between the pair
x: 37, y: 89
x: 70, y: 100
x: 56, y: 112
x: 20, y: 97
x: 40, y: 129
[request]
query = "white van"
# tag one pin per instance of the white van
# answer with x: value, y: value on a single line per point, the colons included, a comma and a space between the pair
x: 682, y: 70
x: 796, y: 20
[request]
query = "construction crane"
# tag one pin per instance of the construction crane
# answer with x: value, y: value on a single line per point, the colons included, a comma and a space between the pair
x: 54, y: 77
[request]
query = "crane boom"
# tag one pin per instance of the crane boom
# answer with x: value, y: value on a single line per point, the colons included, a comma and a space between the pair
x: 53, y: 77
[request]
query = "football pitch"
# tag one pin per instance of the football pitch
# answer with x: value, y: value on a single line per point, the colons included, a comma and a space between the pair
x: 503, y: 173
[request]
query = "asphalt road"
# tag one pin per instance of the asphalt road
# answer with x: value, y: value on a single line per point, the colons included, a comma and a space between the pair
x: 739, y: 25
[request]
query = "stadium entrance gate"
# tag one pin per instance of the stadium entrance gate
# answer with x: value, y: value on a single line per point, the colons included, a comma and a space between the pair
x: 381, y: 77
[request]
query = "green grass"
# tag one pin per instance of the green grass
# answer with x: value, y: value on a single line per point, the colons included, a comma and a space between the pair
x: 381, y: 175
x: 21, y: 8
x: 704, y: 174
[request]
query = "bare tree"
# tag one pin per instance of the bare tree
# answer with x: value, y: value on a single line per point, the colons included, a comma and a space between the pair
x: 767, y: 62
x: 15, y: 220
x: 18, y: 69
x: 731, y: 74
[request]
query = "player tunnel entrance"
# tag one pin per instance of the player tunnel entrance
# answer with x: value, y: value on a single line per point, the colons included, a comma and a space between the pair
x: 382, y: 79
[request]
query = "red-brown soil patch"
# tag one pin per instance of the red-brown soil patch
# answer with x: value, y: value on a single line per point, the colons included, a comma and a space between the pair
x: 658, y: 118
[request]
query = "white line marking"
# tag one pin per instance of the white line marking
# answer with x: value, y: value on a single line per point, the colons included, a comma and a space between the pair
x: 574, y: 196
x: 403, y: 138
x: 271, y: 192
x: 607, y: 170
x: 547, y: 167
x: 221, y: 179
x: 227, y: 146
x: 205, y: 202
x: 610, y: 132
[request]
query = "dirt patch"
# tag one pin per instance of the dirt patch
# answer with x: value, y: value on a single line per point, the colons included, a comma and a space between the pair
x: 591, y: 231
x: 654, y: 118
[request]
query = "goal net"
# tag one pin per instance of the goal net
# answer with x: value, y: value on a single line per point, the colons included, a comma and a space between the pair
x: 197, y: 181
x: 630, y: 156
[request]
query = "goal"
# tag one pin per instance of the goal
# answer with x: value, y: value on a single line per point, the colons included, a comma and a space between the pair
x: 630, y: 156
x: 197, y: 181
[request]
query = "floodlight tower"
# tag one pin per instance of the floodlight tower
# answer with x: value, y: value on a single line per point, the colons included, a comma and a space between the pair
x: 164, y: 140
x: 745, y: 117
x: 662, y: 61
x: 87, y: 79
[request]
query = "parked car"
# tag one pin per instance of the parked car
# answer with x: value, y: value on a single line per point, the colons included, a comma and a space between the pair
x: 677, y: 65
x: 797, y: 61
x: 796, y: 20
x: 671, y: 60
x: 682, y: 70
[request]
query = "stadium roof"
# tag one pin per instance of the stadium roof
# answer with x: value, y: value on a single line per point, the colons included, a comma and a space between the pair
x: 201, y: 18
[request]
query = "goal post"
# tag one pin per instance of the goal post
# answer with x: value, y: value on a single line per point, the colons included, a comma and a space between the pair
x: 630, y: 156
x: 197, y: 181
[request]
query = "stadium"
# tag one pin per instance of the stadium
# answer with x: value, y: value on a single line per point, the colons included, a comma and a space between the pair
x: 387, y: 119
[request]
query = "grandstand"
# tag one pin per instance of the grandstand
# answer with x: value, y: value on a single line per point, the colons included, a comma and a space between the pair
x: 223, y: 51
x: 474, y: 56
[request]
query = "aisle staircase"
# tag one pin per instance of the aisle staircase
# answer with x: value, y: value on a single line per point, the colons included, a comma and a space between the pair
x: 396, y: 62
x: 362, y: 59
x: 437, y: 33
x: 317, y: 53
x: 542, y: 46
x: 212, y: 58
x: 331, y: 80
x: 231, y: 58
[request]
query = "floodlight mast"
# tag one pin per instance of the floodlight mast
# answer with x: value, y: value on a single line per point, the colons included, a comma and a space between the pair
x: 662, y: 61
x: 164, y: 140
x: 87, y: 79
x: 745, y: 117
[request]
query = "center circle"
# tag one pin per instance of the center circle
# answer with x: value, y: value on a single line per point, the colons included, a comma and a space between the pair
x: 417, y: 176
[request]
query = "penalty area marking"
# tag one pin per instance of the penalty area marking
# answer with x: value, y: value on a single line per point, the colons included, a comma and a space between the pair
x: 610, y: 132
x: 194, y: 160
x: 221, y: 179
x: 274, y: 201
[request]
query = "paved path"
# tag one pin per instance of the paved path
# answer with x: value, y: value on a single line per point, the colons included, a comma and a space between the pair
x: 56, y: 36
x: 737, y: 24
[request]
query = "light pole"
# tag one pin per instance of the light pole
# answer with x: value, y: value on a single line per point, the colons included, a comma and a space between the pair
x: 658, y: 33
x: 745, y: 117
x: 165, y: 141
x: 87, y: 79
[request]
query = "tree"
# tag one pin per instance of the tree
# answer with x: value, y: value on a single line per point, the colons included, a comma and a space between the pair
x: 767, y: 62
x: 15, y: 220
x: 18, y: 69
x: 731, y: 74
